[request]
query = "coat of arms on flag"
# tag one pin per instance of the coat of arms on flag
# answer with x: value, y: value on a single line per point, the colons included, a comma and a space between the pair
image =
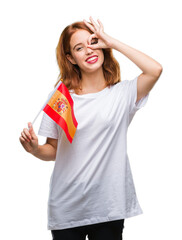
x: 59, y: 107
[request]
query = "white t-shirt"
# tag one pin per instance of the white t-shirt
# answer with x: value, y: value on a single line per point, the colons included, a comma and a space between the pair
x: 92, y: 181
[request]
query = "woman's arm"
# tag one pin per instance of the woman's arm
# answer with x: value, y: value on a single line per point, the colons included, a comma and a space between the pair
x: 29, y: 141
x: 47, y: 152
x: 151, y: 68
x: 147, y: 64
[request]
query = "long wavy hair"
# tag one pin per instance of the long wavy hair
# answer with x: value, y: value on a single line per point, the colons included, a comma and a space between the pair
x: 70, y: 74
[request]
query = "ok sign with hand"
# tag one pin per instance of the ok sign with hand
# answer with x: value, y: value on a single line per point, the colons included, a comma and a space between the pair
x: 104, y: 40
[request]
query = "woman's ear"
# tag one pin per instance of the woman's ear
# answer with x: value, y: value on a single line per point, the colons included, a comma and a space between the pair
x: 71, y: 59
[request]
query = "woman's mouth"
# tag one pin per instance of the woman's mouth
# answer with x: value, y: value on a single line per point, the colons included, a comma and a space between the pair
x: 92, y: 60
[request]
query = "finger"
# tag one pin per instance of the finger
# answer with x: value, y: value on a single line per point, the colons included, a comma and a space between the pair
x: 90, y: 38
x: 89, y: 25
x: 26, y: 132
x: 31, y: 130
x: 94, y: 23
x: 23, y: 136
x: 102, y: 27
x: 21, y: 139
x: 94, y: 46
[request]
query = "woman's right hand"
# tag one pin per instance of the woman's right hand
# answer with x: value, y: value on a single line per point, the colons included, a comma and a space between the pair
x: 29, y: 140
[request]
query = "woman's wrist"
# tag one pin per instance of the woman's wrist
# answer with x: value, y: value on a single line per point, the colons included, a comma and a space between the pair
x: 35, y: 151
x: 45, y: 152
x: 114, y: 43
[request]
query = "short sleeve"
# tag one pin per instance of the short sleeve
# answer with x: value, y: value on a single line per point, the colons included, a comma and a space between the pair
x: 132, y: 97
x: 48, y: 128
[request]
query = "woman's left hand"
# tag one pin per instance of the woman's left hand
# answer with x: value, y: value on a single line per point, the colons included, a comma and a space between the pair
x: 104, y: 40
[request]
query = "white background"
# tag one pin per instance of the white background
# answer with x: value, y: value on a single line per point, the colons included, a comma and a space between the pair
x: 30, y: 31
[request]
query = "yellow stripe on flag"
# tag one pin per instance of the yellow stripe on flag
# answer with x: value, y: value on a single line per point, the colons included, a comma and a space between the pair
x: 60, y: 104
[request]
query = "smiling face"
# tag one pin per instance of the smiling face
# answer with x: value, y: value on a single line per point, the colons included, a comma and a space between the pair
x: 80, y: 52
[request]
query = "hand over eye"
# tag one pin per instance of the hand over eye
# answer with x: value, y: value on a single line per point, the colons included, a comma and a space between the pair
x: 103, y: 40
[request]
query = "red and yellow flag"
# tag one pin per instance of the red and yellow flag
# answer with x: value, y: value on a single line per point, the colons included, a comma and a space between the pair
x: 60, y: 109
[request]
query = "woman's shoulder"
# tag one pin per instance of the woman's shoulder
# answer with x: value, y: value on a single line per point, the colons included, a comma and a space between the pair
x: 120, y: 84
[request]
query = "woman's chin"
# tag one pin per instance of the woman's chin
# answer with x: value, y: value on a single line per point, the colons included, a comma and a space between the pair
x: 92, y: 70
x: 92, y: 67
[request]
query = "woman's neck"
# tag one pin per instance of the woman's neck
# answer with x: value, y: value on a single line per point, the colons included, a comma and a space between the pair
x: 92, y: 82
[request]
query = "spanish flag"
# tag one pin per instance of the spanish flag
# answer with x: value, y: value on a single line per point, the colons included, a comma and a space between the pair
x: 60, y: 108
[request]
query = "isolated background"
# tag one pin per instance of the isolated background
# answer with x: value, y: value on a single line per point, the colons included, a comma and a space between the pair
x: 30, y: 31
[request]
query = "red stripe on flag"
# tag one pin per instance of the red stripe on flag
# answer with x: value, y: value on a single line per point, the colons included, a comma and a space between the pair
x: 63, y: 89
x: 58, y: 119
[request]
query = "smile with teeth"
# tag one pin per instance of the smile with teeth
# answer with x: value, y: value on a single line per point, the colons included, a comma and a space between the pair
x: 92, y: 60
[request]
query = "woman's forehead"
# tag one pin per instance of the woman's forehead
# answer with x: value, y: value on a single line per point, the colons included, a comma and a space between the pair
x: 79, y: 35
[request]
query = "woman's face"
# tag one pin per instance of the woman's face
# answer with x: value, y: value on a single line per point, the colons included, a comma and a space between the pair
x: 80, y: 52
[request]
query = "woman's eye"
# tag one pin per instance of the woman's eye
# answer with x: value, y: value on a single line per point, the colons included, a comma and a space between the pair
x: 95, y: 41
x: 78, y: 48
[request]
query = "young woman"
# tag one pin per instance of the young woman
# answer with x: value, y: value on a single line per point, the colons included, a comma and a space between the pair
x: 91, y: 189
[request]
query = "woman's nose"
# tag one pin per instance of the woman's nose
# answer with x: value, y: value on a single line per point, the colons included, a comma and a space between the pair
x: 89, y: 50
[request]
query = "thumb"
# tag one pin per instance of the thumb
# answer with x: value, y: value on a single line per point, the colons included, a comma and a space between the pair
x: 31, y: 130
x: 95, y: 46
